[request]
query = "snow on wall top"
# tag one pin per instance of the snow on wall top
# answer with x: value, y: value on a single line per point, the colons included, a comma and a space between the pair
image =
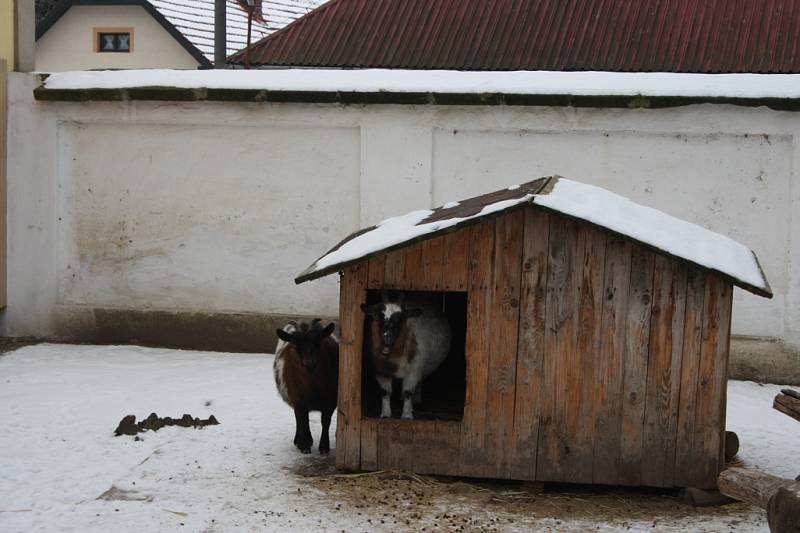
x: 593, y: 204
x: 652, y: 84
x: 195, y: 20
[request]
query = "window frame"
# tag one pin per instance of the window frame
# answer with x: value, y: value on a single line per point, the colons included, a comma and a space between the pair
x: 96, y: 39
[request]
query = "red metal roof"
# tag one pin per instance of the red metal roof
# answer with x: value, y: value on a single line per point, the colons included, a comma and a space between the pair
x: 708, y: 36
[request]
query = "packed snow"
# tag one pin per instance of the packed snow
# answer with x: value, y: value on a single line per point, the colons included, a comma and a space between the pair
x: 61, y: 468
x: 588, y: 202
x: 397, y: 230
x: 445, y: 81
x: 660, y: 230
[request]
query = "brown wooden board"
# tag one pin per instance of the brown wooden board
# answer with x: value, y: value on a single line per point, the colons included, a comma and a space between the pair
x: 351, y: 325
x: 396, y: 443
x: 432, y: 264
x: 376, y: 271
x: 712, y: 381
x: 721, y: 375
x: 686, y: 472
x: 413, y: 274
x: 530, y: 351
x: 580, y: 404
x: 456, y: 260
x: 393, y: 274
x: 479, y: 303
x: 369, y: 444
x: 637, y: 342
x: 503, y: 343
x: 663, y: 372
x: 563, y: 267
x: 609, y: 366
x: 436, y: 443
x: 421, y: 446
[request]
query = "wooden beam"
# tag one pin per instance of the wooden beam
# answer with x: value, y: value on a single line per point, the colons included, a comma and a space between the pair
x: 3, y: 165
x: 780, y: 497
x: 750, y: 486
x: 788, y: 403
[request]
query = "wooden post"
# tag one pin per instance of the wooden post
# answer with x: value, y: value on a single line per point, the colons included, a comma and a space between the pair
x: 3, y: 165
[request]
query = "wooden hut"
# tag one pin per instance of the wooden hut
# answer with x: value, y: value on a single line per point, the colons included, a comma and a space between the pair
x: 596, y: 338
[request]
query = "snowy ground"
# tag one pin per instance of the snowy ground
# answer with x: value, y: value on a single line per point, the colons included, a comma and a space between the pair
x: 62, y: 470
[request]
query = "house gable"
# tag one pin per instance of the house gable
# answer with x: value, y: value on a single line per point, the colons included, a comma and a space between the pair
x: 65, y: 38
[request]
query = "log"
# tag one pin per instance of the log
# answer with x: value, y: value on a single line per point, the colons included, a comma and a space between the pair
x: 792, y: 393
x: 783, y: 510
x: 731, y: 445
x: 788, y: 403
x: 704, y: 498
x: 750, y: 486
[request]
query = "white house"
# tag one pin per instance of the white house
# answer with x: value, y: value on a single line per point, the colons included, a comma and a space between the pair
x: 126, y: 34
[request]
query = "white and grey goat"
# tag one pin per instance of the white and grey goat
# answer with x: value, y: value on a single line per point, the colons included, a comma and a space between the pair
x: 409, y: 338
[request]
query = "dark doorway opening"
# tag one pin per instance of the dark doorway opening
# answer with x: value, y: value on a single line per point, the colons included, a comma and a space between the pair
x: 443, y: 391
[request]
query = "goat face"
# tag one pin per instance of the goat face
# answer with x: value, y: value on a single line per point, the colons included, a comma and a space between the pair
x: 307, y: 342
x: 391, y: 318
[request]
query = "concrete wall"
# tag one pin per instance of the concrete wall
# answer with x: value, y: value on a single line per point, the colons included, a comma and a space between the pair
x: 214, y: 207
x: 69, y: 44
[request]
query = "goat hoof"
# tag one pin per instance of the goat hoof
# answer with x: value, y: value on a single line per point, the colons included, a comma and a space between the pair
x: 385, y: 415
x: 305, y: 450
x: 324, y: 451
x: 407, y: 416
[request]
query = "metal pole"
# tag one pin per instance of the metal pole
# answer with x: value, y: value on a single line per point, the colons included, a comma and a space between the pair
x: 249, y: 29
x: 220, y: 38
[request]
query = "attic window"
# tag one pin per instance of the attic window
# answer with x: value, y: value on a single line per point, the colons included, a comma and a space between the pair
x: 119, y: 40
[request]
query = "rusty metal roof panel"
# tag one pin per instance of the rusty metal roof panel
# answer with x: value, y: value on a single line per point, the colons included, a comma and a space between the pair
x: 705, y: 36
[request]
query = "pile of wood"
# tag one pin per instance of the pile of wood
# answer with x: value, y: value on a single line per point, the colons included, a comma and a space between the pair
x: 780, y: 497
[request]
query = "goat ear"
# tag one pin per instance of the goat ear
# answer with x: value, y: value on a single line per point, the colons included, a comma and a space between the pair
x: 282, y: 335
x: 327, y: 331
x: 412, y: 312
x: 369, y: 310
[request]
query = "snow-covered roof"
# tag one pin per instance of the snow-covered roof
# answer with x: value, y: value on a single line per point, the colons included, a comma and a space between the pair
x: 191, y: 22
x: 195, y: 20
x: 644, y: 225
x: 645, y: 84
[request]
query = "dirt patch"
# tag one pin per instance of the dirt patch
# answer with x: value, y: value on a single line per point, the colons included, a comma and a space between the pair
x: 9, y: 344
x: 129, y: 426
x: 402, y: 500
x: 117, y: 494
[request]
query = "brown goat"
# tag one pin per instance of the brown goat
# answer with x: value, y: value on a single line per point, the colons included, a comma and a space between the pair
x: 306, y: 371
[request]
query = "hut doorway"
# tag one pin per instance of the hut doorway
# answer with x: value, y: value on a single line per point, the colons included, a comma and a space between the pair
x: 443, y: 391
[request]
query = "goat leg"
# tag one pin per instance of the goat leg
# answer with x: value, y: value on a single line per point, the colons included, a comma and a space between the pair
x: 417, y: 400
x: 304, y: 440
x: 410, y: 383
x: 324, y: 442
x: 386, y: 396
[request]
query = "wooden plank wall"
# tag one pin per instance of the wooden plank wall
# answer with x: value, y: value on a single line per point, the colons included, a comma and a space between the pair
x: 589, y: 359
